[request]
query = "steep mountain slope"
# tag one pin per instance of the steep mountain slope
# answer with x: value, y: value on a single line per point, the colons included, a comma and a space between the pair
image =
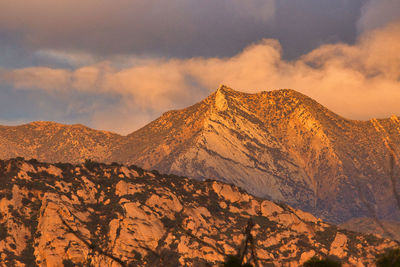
x: 280, y: 145
x: 113, y: 215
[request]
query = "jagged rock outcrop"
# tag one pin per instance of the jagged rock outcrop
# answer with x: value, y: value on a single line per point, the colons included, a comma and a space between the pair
x: 113, y: 215
x: 280, y: 145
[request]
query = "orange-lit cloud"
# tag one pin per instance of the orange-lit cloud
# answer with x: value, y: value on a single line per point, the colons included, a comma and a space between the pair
x: 357, y: 81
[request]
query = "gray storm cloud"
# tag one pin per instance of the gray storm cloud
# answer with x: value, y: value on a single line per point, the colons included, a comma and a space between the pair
x: 179, y: 27
x: 173, y: 28
x: 378, y: 13
x: 358, y: 81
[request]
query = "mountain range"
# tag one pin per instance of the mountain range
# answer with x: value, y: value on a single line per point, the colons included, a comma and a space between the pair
x: 96, y: 214
x: 279, y: 145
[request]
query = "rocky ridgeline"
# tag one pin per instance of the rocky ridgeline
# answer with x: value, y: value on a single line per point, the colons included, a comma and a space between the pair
x: 280, y: 145
x: 111, y: 215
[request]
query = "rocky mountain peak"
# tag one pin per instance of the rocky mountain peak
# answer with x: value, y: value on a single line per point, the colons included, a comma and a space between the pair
x: 278, y: 144
x: 276, y: 102
x: 221, y: 102
x: 224, y: 97
x: 224, y: 89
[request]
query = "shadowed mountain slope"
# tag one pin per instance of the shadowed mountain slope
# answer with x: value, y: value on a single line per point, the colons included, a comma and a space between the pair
x: 280, y: 145
x: 368, y: 225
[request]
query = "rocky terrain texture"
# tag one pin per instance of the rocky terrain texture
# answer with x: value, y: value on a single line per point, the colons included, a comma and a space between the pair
x: 114, y: 215
x: 280, y: 145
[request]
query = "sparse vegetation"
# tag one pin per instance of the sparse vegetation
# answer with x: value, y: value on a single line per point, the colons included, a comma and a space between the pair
x: 317, y: 262
x: 91, y: 165
x: 68, y: 263
x: 234, y: 261
x: 3, y: 231
x: 389, y: 259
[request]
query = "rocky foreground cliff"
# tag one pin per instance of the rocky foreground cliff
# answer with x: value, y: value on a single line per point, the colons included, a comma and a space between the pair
x: 280, y: 145
x: 114, y: 215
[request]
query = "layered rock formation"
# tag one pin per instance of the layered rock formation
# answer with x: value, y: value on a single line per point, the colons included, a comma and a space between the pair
x: 280, y: 145
x: 114, y: 215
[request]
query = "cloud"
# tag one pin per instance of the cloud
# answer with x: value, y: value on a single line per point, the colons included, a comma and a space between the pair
x: 37, y: 77
x: 378, y: 13
x: 358, y: 81
x: 173, y: 28
x: 13, y: 122
x: 153, y: 27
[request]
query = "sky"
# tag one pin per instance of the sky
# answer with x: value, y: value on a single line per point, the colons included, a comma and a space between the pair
x: 117, y: 65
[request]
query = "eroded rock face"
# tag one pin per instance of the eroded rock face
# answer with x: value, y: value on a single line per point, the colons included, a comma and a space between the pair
x: 112, y: 215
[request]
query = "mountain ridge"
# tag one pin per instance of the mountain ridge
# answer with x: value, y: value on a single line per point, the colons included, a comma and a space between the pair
x: 280, y: 145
